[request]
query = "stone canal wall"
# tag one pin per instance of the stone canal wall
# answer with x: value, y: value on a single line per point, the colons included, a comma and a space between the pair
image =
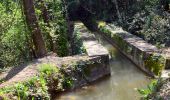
x: 146, y: 56
x: 99, y: 56
x: 166, y: 53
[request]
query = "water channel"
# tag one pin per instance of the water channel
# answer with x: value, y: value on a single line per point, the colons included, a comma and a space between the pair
x: 125, y: 79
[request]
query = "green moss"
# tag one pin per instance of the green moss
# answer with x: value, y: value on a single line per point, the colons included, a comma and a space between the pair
x: 106, y: 31
x: 117, y: 39
x: 155, y: 63
x: 128, y: 49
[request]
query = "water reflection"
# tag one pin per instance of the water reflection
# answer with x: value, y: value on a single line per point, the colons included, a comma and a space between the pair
x: 122, y: 84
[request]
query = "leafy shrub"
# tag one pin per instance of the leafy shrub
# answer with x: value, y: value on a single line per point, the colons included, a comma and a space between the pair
x: 50, y: 78
x: 106, y: 31
x: 14, y: 37
x: 78, y: 44
x: 58, y: 30
x: 48, y: 69
x: 150, y: 23
x: 16, y: 45
x: 33, y: 89
x: 149, y: 92
x: 155, y: 63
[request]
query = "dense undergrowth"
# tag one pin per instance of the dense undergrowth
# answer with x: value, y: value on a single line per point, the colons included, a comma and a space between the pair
x: 158, y: 89
x: 33, y: 89
x: 149, y: 93
x: 38, y: 87
x: 150, y: 22
x: 50, y: 79
x: 14, y: 37
x: 78, y: 47
x: 16, y: 45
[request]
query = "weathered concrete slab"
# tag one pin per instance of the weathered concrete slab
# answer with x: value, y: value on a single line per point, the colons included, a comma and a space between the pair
x: 97, y: 67
x: 93, y: 48
x: 146, y: 56
x: 135, y: 41
x: 165, y: 73
x: 90, y: 43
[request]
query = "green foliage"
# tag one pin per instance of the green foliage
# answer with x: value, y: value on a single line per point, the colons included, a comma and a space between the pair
x: 150, y: 3
x: 53, y: 76
x: 78, y: 43
x: 14, y: 36
x: 106, y: 31
x: 150, y: 23
x: 15, y: 39
x: 50, y: 77
x: 57, y: 78
x: 149, y: 92
x: 155, y: 63
x: 58, y: 27
x: 33, y: 89
x: 48, y: 69
x: 117, y: 39
x: 37, y: 87
x: 67, y: 82
x: 61, y: 41
x: 157, y: 33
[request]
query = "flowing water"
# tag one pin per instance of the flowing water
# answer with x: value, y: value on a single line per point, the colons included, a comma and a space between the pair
x: 125, y: 79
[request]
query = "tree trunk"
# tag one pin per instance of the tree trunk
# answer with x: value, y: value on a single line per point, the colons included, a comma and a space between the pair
x: 32, y: 23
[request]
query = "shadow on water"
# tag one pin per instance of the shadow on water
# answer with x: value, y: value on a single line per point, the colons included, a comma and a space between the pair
x: 125, y: 79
